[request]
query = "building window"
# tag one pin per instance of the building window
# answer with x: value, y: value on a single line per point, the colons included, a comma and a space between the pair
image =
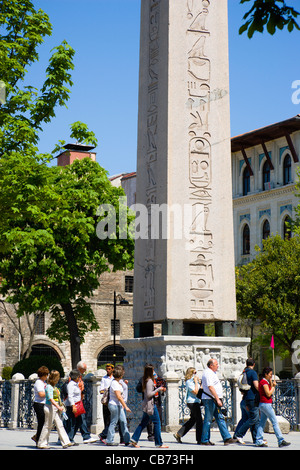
x: 246, y: 240
x: 266, y: 230
x: 287, y: 170
x: 266, y: 176
x: 117, y: 324
x: 129, y: 284
x: 39, y: 323
x: 287, y: 233
x: 246, y: 181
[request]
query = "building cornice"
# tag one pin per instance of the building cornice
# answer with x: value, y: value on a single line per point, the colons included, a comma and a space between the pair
x: 262, y: 195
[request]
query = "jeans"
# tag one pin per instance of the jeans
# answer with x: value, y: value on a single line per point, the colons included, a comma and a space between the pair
x: 212, y: 411
x: 73, y: 424
x: 117, y: 414
x: 157, y: 428
x: 196, y: 417
x: 244, y: 418
x: 252, y: 421
x: 267, y: 411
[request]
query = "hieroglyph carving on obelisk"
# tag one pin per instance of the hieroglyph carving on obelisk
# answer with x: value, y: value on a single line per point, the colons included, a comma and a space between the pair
x: 184, y: 163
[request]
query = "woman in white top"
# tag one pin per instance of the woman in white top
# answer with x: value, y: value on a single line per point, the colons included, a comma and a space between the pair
x: 40, y: 400
x: 116, y: 406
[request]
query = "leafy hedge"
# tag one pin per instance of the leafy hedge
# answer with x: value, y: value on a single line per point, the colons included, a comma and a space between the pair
x: 32, y: 364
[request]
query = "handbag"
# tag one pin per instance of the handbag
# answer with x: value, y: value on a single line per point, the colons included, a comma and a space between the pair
x: 105, y: 396
x: 149, y: 407
x: 79, y: 409
x: 200, y: 393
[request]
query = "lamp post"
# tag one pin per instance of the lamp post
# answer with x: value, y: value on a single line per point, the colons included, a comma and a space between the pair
x: 122, y: 302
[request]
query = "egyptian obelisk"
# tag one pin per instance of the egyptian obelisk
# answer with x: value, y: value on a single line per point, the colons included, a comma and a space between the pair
x: 184, y: 271
x: 184, y: 164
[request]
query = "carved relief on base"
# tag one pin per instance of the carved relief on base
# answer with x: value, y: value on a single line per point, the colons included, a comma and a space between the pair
x: 179, y: 357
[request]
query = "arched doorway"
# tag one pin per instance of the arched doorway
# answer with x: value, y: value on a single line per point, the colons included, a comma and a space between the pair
x: 44, y: 350
x: 107, y: 355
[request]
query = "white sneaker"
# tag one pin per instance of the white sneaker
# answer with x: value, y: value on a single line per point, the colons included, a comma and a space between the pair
x: 240, y: 440
x: 90, y: 440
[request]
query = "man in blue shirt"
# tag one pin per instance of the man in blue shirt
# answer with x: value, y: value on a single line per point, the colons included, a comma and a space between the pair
x: 251, y: 398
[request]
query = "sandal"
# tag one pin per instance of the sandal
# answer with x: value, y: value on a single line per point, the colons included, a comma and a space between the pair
x: 134, y: 444
x: 162, y: 447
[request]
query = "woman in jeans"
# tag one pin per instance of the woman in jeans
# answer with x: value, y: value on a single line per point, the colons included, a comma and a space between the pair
x: 193, y: 403
x: 150, y: 411
x: 116, y: 406
x: 266, y: 390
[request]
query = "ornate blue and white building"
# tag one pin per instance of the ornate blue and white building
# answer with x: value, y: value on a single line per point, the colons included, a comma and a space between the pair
x: 264, y: 175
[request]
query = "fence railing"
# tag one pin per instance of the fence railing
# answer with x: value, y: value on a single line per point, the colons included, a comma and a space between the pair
x: 228, y: 401
x: 286, y: 402
x: 17, y: 396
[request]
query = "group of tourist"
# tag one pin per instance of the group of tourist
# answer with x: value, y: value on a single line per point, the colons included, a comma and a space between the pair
x: 256, y: 406
x: 69, y: 415
x: 51, y: 408
x: 115, y: 409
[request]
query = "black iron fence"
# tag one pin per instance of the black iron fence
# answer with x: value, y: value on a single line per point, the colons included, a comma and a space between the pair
x: 16, y: 403
x: 286, y: 402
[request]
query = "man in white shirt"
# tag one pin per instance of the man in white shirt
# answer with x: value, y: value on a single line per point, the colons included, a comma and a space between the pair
x: 212, y: 400
x: 105, y: 383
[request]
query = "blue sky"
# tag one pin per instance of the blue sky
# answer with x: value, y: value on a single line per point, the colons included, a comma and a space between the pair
x: 105, y: 36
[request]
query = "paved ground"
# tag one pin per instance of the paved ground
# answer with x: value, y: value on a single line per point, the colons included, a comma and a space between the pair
x: 21, y: 440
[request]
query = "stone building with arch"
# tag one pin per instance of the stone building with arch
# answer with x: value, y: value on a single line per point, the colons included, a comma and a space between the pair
x: 98, y: 346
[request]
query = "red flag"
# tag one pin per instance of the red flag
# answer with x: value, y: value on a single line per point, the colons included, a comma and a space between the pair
x: 272, y: 345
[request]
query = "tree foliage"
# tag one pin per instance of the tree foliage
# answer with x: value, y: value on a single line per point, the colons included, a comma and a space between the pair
x: 50, y: 255
x: 268, y: 290
x: 55, y: 257
x: 269, y: 14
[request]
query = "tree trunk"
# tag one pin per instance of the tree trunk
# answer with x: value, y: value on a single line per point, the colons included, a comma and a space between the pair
x: 74, y: 334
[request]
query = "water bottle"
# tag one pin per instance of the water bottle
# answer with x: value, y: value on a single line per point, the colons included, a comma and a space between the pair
x: 65, y: 416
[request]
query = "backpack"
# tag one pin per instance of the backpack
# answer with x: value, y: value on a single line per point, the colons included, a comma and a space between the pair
x: 139, y: 387
x: 243, y: 381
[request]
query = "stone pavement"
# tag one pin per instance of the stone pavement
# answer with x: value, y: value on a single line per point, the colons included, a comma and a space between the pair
x: 20, y: 439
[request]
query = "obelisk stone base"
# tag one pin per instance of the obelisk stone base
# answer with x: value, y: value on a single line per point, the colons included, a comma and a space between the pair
x: 178, y: 353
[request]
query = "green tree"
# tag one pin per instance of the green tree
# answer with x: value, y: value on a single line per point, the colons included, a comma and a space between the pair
x: 269, y: 14
x: 268, y: 290
x: 55, y: 256
x: 50, y: 255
